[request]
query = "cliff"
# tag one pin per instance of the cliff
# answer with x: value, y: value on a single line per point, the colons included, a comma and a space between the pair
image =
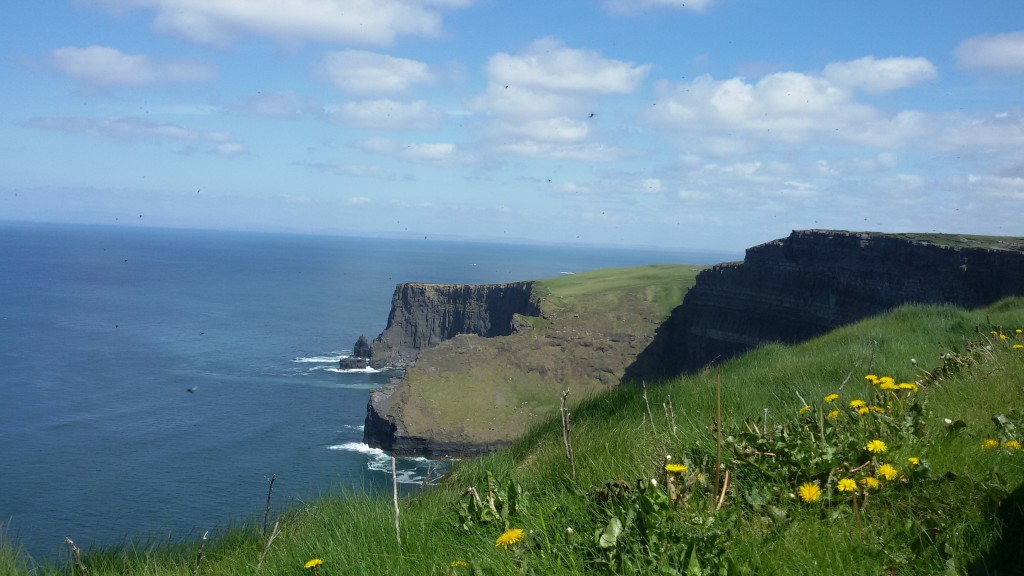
x: 483, y: 363
x: 795, y: 288
x: 424, y: 315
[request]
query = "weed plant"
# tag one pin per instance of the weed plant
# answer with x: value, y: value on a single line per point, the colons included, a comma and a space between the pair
x: 892, y: 446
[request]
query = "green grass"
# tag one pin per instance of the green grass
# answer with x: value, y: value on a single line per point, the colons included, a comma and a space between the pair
x: 964, y: 519
x: 592, y: 326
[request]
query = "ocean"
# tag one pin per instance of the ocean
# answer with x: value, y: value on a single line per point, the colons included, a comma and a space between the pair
x: 103, y: 331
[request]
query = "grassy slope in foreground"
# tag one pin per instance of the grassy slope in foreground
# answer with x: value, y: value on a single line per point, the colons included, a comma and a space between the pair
x: 592, y: 326
x: 954, y: 521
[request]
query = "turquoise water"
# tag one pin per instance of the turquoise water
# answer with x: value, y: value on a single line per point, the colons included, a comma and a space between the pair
x: 103, y: 331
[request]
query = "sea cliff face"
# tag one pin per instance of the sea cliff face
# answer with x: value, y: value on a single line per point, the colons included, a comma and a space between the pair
x: 787, y: 290
x: 424, y: 315
x: 795, y: 288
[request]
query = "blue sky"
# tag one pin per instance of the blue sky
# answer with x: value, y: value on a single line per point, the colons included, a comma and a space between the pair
x: 714, y: 124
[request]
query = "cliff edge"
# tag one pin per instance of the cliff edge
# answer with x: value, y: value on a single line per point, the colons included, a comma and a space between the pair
x: 813, y: 281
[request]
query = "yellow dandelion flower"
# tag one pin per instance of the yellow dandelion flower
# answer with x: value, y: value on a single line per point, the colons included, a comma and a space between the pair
x: 1012, y: 444
x: 857, y: 403
x: 885, y: 379
x: 313, y: 564
x: 878, y: 409
x: 914, y: 460
x: 871, y: 482
x: 1018, y: 346
x: 675, y: 468
x: 831, y: 398
x: 459, y: 564
x: 887, y: 471
x: 877, y: 447
x: 907, y: 386
x: 990, y: 443
x: 809, y: 492
x: 847, y: 485
x: 1018, y: 331
x: 806, y: 409
x: 1002, y: 336
x: 888, y: 386
x: 509, y: 538
x: 833, y: 414
x: 862, y: 410
x: 871, y: 378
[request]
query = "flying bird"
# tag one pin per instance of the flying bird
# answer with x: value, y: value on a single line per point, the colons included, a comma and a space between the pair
x: 193, y: 389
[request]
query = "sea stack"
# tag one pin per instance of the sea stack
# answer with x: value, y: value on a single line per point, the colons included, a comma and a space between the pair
x: 360, y: 358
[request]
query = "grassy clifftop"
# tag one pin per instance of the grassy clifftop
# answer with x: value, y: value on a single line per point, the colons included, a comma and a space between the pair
x: 592, y: 326
x: 951, y: 501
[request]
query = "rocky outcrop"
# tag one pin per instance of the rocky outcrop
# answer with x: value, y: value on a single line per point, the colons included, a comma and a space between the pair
x: 360, y: 358
x: 795, y: 288
x: 424, y: 315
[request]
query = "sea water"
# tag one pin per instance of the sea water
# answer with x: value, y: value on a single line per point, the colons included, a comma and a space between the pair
x: 153, y: 380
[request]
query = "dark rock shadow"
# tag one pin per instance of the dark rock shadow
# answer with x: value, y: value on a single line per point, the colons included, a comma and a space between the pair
x: 1006, y: 556
x: 664, y: 357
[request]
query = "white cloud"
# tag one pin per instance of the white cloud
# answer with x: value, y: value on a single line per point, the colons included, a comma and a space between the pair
x: 437, y: 154
x: 363, y: 72
x: 387, y: 114
x: 1001, y: 53
x: 132, y: 130
x: 556, y: 129
x: 537, y: 102
x: 547, y: 65
x: 997, y: 187
x: 878, y: 76
x: 628, y: 6
x: 102, y: 66
x: 376, y: 22
x: 734, y: 116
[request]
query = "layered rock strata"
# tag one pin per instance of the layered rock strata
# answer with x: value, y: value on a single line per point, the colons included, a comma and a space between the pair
x: 795, y: 288
x: 424, y: 315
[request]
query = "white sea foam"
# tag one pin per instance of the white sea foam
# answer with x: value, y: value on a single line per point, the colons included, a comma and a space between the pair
x: 366, y: 370
x: 351, y: 427
x: 358, y: 447
x: 380, y: 461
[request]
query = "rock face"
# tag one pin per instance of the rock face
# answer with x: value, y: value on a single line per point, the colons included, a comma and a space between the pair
x: 423, y: 315
x: 795, y: 288
x: 360, y: 358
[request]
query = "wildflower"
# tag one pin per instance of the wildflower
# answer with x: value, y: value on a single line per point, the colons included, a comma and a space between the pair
x: 886, y: 380
x: 862, y: 410
x: 1012, y: 444
x: 675, y: 468
x: 509, y: 538
x: 809, y: 492
x: 871, y: 378
x: 806, y: 409
x: 857, y: 403
x: 878, y: 409
x: 833, y: 414
x: 914, y: 460
x: 831, y: 398
x: 313, y: 564
x: 1002, y: 336
x: 1018, y: 346
x: 459, y: 564
x: 847, y: 485
x: 877, y: 447
x: 888, y: 386
x: 1017, y: 331
x: 990, y: 443
x: 871, y: 482
x: 886, y: 471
